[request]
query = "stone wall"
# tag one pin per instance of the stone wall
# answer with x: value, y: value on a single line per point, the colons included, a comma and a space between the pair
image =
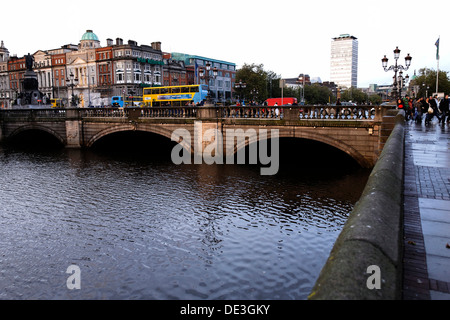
x: 366, y: 260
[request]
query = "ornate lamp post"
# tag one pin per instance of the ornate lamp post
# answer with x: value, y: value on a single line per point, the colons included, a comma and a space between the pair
x: 402, y: 81
x: 240, y: 86
x: 207, y: 77
x: 72, y: 82
x: 396, y: 67
x: 301, y: 79
x: 255, y: 93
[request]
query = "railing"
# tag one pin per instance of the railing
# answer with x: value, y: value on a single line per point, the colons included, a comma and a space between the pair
x: 155, y: 112
x: 32, y: 114
x: 222, y: 112
x: 300, y: 112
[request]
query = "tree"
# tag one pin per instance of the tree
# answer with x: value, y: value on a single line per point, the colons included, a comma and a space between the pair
x: 354, y: 95
x: 425, y: 82
x: 318, y: 94
x: 260, y: 84
x: 375, y: 99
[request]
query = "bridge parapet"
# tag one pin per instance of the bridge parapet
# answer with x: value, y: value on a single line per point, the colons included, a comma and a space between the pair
x: 357, y: 130
x: 359, y: 113
x: 304, y: 112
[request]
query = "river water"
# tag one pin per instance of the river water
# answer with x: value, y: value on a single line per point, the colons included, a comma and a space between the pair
x: 140, y: 227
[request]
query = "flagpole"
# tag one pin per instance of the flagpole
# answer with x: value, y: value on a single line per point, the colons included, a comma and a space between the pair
x: 437, y: 58
x: 437, y: 77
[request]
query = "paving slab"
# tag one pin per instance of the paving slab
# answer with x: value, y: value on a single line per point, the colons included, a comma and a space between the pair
x: 427, y: 212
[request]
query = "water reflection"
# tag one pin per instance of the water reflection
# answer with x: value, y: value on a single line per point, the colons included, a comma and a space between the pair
x: 143, y: 228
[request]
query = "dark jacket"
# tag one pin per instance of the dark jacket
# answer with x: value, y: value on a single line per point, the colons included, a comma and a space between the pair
x: 444, y: 105
x: 424, y: 106
x: 433, y: 104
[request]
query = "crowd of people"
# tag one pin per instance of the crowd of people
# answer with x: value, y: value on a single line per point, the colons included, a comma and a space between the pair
x: 420, y: 109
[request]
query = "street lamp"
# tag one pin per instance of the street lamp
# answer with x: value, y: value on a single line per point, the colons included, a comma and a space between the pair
x: 402, y: 81
x: 255, y: 93
x: 301, y: 79
x: 428, y: 88
x: 72, y: 82
x: 396, y: 67
x: 207, y: 77
x: 240, y: 86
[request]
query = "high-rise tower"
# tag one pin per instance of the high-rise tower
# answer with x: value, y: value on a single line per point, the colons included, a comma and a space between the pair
x: 344, y: 61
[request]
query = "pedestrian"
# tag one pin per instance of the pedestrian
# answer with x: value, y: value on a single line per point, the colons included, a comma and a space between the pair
x: 410, y: 107
x: 444, y: 107
x: 434, y: 102
x: 418, y: 110
x: 430, y: 110
x: 424, y: 107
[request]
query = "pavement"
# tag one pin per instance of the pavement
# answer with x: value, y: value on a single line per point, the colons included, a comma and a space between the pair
x: 426, y: 257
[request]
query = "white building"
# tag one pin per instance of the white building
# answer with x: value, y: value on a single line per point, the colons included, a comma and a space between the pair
x: 344, y: 61
x: 5, y: 92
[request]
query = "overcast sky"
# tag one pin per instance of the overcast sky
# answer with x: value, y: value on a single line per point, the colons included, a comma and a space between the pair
x: 288, y: 37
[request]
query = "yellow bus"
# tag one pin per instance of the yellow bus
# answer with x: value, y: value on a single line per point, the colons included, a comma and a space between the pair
x: 56, y: 103
x: 174, y: 95
x: 134, y: 101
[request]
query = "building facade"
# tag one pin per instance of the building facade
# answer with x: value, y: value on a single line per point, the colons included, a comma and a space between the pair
x: 344, y: 61
x: 221, y: 87
x: 5, y: 92
x: 135, y: 67
x: 91, y: 74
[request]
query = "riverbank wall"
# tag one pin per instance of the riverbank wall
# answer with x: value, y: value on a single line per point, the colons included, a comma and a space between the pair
x: 366, y: 260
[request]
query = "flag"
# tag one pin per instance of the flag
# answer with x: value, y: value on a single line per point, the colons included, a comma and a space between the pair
x: 437, y: 49
x: 196, y: 72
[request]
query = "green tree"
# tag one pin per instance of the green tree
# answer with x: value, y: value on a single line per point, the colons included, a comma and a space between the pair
x: 258, y: 82
x: 425, y: 82
x: 318, y: 94
x: 375, y: 99
x: 355, y: 95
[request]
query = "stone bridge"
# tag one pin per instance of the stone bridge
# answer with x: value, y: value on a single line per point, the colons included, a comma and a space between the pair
x: 359, y: 131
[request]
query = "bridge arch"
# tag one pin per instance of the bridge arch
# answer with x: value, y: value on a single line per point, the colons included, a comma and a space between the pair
x: 159, y: 130
x: 34, y: 126
x: 352, y: 152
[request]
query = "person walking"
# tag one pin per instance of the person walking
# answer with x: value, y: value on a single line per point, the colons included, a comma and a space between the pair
x: 444, y: 107
x: 423, y: 108
x: 400, y: 104
x: 430, y: 110
x: 418, y: 110
x: 434, y: 102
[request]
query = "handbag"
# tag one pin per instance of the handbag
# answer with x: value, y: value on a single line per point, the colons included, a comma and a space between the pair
x: 430, y: 110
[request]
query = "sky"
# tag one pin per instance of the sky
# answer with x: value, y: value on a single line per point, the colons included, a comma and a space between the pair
x: 287, y: 37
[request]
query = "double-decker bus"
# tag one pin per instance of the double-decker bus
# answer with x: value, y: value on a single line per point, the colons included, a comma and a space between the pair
x: 175, y: 95
x: 133, y: 101
x: 56, y: 103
